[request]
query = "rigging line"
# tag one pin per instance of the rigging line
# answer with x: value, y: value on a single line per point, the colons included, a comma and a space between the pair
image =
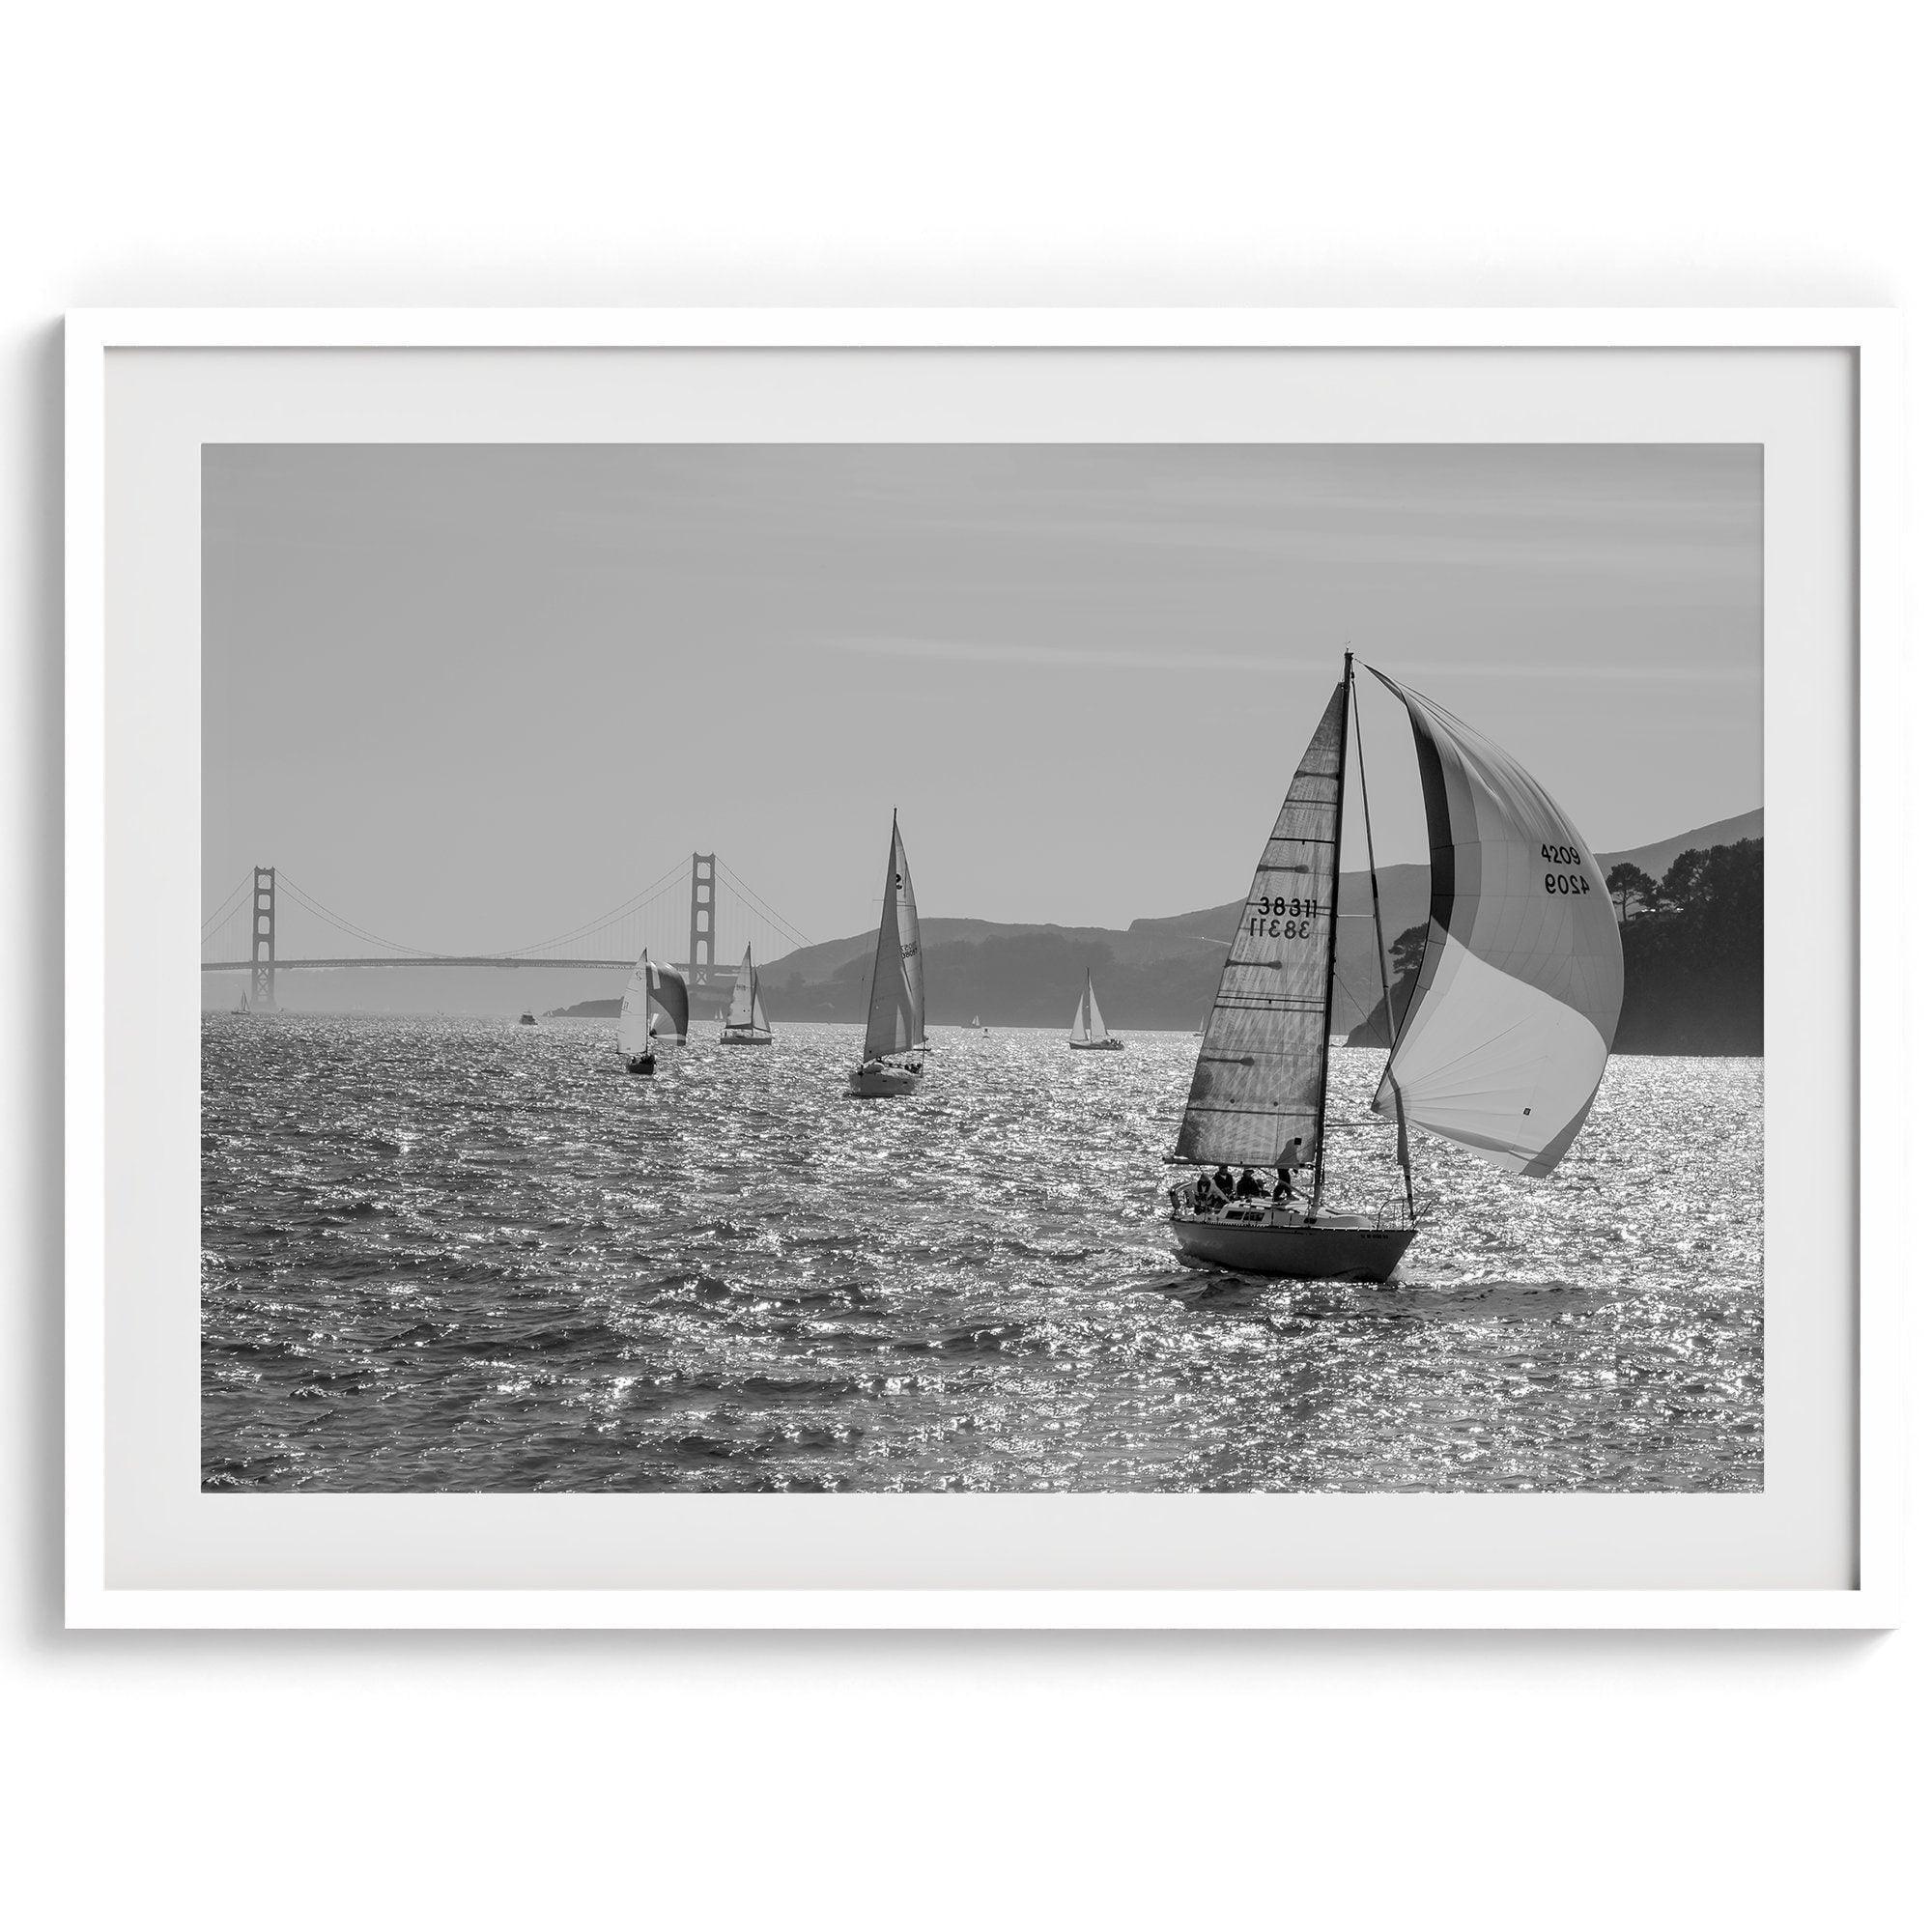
x: 1381, y: 954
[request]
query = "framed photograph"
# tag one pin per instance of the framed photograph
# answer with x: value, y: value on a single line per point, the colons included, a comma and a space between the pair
x: 983, y: 968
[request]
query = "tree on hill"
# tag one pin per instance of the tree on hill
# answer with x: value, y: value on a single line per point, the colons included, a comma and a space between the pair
x: 1405, y: 958
x: 1630, y: 885
x: 1693, y: 970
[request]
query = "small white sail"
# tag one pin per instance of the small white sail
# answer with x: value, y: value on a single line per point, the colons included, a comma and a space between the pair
x: 1088, y: 1025
x: 744, y: 993
x: 895, y: 1003
x: 634, y: 1017
x: 1506, y: 1037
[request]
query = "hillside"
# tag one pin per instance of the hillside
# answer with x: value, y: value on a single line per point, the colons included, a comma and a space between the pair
x: 1157, y: 973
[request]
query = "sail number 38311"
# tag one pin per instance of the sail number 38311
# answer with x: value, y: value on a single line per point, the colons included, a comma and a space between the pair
x: 1282, y: 917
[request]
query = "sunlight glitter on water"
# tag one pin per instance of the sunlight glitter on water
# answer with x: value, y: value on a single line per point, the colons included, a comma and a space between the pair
x: 451, y: 1255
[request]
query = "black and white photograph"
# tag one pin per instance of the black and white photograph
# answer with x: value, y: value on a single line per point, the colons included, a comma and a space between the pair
x: 1000, y: 968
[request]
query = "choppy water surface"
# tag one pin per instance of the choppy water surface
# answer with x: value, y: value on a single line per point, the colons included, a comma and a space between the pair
x: 458, y: 1254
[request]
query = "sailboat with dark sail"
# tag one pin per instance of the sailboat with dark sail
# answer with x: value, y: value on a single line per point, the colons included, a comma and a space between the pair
x: 896, y: 998
x: 1089, y: 1033
x: 745, y: 1023
x: 651, y: 987
x: 1505, y: 1036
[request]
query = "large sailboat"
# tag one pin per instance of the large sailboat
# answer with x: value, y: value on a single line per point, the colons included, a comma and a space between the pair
x: 896, y: 999
x: 1504, y: 1039
x: 1089, y: 1033
x: 745, y: 1024
x: 651, y: 984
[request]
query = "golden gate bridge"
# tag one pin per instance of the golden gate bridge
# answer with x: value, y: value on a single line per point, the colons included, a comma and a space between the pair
x: 269, y: 924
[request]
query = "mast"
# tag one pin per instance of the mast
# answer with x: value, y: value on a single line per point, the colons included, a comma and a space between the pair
x: 1334, y: 927
x: 1382, y: 958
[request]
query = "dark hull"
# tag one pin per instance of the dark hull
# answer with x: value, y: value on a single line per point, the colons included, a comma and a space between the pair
x: 1098, y: 1045
x: 889, y: 1083
x: 729, y: 1039
x: 645, y: 1065
x: 1327, y: 1250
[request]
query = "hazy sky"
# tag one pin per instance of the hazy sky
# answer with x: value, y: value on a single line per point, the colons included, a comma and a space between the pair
x: 474, y: 696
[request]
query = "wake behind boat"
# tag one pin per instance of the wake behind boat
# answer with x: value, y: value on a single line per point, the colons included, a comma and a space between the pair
x: 1504, y: 1040
x: 651, y: 987
x: 745, y: 1023
x: 1089, y: 1033
x: 896, y: 999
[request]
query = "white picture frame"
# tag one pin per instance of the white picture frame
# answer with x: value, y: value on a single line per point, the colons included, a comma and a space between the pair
x: 1869, y: 1595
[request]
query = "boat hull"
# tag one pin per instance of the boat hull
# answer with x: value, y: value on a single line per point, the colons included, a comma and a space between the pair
x: 645, y: 1062
x: 1319, y: 1251
x: 886, y: 1083
x: 729, y: 1039
x: 1098, y: 1045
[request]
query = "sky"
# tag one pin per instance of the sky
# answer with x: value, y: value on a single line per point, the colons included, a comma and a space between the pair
x: 473, y: 696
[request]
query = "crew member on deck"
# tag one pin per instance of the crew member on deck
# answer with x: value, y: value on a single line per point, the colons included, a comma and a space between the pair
x: 1224, y: 1182
x: 1284, y: 1185
x: 1248, y: 1188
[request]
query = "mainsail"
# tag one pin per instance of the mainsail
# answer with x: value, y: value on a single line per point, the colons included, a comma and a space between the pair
x: 1505, y: 1039
x: 1087, y: 1021
x: 895, y: 1008
x: 1258, y: 1082
x: 650, y: 982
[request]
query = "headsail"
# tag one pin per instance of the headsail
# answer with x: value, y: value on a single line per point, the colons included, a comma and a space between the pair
x: 1087, y: 1021
x: 1504, y: 1042
x: 1258, y: 1081
x: 648, y: 982
x: 896, y: 1008
x: 744, y: 993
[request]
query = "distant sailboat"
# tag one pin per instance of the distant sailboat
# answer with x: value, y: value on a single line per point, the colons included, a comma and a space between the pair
x: 636, y: 1037
x: 1504, y: 1040
x: 529, y: 1019
x: 745, y: 1024
x: 1089, y: 1033
x: 896, y: 999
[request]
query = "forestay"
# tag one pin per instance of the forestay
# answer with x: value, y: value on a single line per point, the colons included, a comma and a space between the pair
x: 1506, y: 1037
x: 895, y: 1012
x: 1256, y: 1099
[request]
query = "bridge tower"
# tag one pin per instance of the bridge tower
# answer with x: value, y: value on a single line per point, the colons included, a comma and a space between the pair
x: 704, y: 902
x: 262, y: 959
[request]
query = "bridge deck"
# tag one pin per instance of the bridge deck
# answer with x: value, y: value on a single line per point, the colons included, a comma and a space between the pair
x: 432, y: 960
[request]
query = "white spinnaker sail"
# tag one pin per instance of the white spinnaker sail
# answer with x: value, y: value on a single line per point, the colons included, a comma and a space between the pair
x: 1506, y: 1036
x: 896, y: 1006
x: 650, y: 982
x: 743, y: 989
x: 1257, y: 1096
